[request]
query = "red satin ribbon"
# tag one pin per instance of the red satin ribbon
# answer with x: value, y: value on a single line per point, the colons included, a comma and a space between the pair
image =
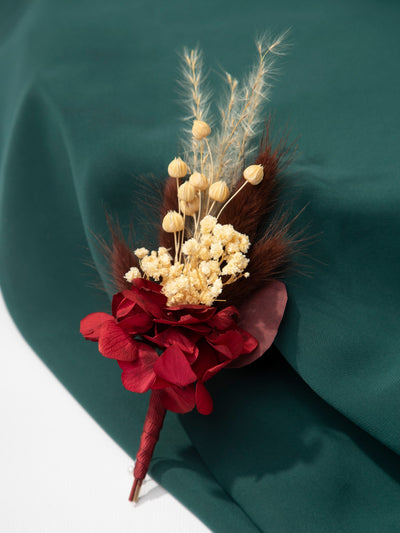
x: 150, y: 434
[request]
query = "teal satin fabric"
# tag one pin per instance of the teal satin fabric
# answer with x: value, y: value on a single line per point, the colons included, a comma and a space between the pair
x: 306, y: 441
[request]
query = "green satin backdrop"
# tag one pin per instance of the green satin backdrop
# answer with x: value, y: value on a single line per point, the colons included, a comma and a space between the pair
x: 307, y: 442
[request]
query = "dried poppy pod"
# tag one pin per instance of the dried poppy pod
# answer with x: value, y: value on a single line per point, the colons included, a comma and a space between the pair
x: 200, y: 130
x: 177, y: 168
x: 219, y: 191
x: 172, y: 222
x: 199, y: 181
x: 186, y: 192
x: 190, y: 208
x: 254, y: 174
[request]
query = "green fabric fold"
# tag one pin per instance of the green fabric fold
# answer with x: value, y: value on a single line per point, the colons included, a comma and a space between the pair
x: 303, y: 441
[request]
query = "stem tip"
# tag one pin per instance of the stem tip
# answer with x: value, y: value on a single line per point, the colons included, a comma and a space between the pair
x: 135, y: 490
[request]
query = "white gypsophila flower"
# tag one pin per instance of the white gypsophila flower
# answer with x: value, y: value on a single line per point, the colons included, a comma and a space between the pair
x: 244, y: 243
x: 240, y: 260
x: 204, y: 268
x: 195, y: 276
x: 207, y: 224
x: 191, y: 247
x: 204, y: 253
x: 133, y: 273
x: 230, y: 269
x: 164, y: 256
x: 216, y: 250
x: 141, y: 252
x: 207, y: 239
x: 225, y: 233
x: 151, y: 266
x: 233, y: 246
x: 207, y: 298
x: 214, y: 267
x: 216, y: 288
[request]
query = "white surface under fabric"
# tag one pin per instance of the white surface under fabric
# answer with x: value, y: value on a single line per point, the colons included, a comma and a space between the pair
x: 52, y: 483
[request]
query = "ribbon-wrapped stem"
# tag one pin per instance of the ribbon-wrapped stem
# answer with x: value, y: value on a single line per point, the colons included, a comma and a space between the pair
x: 150, y: 434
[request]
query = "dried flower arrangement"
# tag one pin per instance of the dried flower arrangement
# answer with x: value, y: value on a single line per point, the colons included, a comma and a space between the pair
x: 210, y: 296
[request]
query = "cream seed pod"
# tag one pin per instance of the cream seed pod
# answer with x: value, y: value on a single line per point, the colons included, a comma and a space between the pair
x: 254, y: 174
x: 186, y: 192
x: 177, y: 168
x: 199, y: 181
x: 190, y: 208
x: 172, y: 222
x: 200, y: 130
x: 219, y: 191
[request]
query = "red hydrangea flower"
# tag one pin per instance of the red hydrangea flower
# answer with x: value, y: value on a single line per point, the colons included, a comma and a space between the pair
x: 171, y: 349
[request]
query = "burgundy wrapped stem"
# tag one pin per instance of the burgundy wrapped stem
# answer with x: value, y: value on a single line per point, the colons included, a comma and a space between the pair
x: 150, y: 434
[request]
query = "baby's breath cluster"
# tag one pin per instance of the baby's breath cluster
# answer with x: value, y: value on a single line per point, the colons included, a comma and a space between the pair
x: 213, y: 254
x: 214, y: 259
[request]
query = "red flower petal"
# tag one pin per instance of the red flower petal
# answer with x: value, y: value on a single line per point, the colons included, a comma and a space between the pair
x: 148, y: 298
x: 117, y: 344
x: 214, y: 370
x: 91, y: 325
x: 179, y: 399
x: 116, y: 300
x: 189, y: 314
x: 250, y: 343
x: 149, y: 286
x: 184, y: 340
x: 204, y: 401
x: 226, y: 318
x: 202, y: 329
x: 160, y: 384
x: 229, y: 344
x: 173, y: 366
x: 207, y: 358
x: 139, y: 376
x: 137, y: 323
x: 122, y: 306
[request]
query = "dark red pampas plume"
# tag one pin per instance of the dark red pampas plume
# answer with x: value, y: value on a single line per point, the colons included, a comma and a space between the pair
x: 118, y: 254
x: 254, y: 209
x: 250, y: 208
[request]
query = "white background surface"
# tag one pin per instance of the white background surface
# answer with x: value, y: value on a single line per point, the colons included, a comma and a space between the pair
x: 51, y: 483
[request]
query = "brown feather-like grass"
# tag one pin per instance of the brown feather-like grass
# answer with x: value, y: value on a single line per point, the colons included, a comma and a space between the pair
x: 254, y: 204
x: 253, y: 209
x: 118, y: 254
x: 117, y: 250
x: 270, y: 259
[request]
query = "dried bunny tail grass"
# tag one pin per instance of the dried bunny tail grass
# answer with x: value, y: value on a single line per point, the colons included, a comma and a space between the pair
x: 249, y: 209
x: 241, y: 116
x: 196, y: 99
x: 195, y: 96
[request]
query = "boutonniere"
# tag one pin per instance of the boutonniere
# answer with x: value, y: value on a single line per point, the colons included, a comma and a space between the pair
x: 210, y: 297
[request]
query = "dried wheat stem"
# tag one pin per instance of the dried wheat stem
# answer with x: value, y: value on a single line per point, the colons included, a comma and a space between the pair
x: 231, y: 198
x: 211, y: 160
